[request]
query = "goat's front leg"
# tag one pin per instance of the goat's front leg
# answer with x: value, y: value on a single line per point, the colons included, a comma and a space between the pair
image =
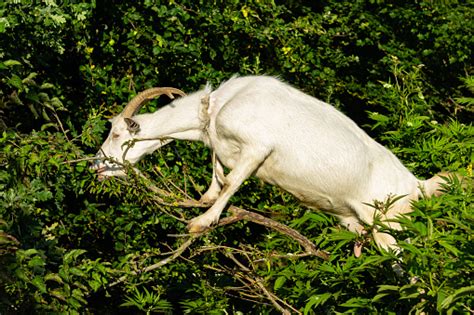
x: 246, y: 165
x: 212, y: 193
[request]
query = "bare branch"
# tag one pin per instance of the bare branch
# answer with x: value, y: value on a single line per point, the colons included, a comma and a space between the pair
x: 273, y: 298
x: 93, y: 158
x: 257, y: 281
x: 159, y: 264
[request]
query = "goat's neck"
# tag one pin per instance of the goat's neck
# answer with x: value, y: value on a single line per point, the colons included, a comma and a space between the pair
x: 178, y: 120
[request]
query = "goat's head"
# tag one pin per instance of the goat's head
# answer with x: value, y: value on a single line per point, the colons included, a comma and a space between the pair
x: 127, y: 140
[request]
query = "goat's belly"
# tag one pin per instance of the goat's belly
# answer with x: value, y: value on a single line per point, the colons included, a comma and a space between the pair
x: 309, y: 194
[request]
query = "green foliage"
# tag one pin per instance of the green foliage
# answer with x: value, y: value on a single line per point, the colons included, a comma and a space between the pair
x: 468, y: 101
x: 71, y: 244
x: 148, y: 302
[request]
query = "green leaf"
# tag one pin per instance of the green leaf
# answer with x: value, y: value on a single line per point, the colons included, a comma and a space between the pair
x: 11, y: 63
x: 3, y: 24
x: 280, y: 281
x: 341, y: 234
x: 36, y: 261
x: 53, y: 277
x: 39, y: 283
x: 46, y: 86
x: 316, y: 300
x: 59, y: 294
x: 16, y: 82
x: 390, y: 288
x: 76, y: 271
x: 374, y: 261
x: 74, y: 303
x: 95, y: 285
x: 58, y: 19
x: 356, y: 302
x: 21, y: 274
x: 79, y: 295
x: 72, y: 255
x: 80, y: 286
x: 380, y: 296
x: 451, y: 248
x: 448, y: 301
x: 30, y: 251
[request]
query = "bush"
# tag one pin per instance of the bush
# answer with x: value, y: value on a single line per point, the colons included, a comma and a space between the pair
x: 70, y: 244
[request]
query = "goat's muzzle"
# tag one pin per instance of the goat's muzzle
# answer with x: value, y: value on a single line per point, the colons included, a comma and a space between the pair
x: 100, y: 167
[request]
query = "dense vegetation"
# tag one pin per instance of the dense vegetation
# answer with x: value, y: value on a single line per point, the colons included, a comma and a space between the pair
x: 70, y: 244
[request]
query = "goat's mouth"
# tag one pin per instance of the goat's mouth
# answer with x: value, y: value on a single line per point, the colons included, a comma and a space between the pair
x: 105, y: 171
x: 101, y: 172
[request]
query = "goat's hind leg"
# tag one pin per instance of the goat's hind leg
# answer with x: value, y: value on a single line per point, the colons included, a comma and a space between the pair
x: 353, y: 224
x: 383, y: 240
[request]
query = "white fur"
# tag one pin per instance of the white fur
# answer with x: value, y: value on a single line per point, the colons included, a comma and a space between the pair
x: 262, y: 126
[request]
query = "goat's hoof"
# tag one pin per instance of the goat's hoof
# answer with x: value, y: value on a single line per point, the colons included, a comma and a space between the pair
x: 195, y: 228
x: 358, y: 249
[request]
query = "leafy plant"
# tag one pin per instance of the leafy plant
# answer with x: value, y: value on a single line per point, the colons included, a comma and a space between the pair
x: 148, y: 302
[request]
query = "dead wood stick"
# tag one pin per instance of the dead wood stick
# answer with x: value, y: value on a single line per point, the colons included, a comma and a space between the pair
x: 259, y: 282
x: 239, y: 214
x: 159, y: 264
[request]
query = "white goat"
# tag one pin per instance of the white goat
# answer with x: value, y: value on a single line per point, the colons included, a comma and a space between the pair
x: 260, y: 125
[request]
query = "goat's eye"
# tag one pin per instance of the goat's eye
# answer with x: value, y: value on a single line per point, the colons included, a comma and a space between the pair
x: 115, y: 135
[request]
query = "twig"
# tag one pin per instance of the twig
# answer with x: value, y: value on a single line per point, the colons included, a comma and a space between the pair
x: 175, y: 255
x: 187, y: 203
x: 249, y: 280
x: 61, y: 125
x: 167, y: 182
x: 260, y: 283
x: 249, y: 299
x: 218, y: 247
x: 195, y: 186
x: 287, y: 256
x: 273, y: 298
x: 159, y: 264
x: 80, y: 160
x: 237, y: 262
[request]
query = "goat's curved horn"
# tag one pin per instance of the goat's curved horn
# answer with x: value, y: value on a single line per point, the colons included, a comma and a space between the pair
x: 141, y: 98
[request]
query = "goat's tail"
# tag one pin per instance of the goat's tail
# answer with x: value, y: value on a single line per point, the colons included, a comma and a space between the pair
x: 434, y: 185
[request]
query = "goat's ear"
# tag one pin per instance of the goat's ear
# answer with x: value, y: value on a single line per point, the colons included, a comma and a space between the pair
x: 132, y: 125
